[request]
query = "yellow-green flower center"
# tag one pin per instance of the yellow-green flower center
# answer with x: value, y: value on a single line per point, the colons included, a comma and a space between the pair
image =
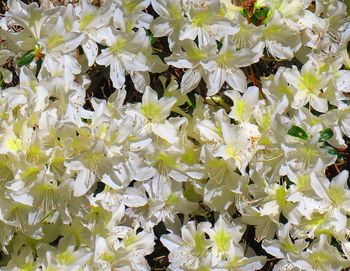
x: 86, y: 20
x: 222, y: 240
x: 54, y: 40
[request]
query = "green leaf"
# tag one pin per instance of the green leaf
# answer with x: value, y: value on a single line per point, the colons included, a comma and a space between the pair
x: 38, y: 66
x: 296, y: 131
x: 26, y: 59
x: 261, y: 13
x: 152, y: 39
x: 2, y: 82
x: 190, y: 104
x: 88, y: 121
x: 253, y: 20
x: 330, y: 150
x: 219, y: 44
x: 340, y: 157
x: 245, y: 12
x: 326, y: 134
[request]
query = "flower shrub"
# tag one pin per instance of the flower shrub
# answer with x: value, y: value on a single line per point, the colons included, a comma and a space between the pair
x: 179, y: 134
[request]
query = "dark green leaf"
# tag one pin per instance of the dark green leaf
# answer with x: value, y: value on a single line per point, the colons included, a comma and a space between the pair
x: 190, y: 104
x: 261, y: 13
x: 254, y: 19
x: 152, y: 39
x: 38, y: 66
x: 88, y: 121
x: 330, y: 150
x: 326, y: 134
x: 26, y: 59
x: 245, y: 12
x: 340, y: 157
x: 1, y: 81
x: 219, y: 44
x: 296, y: 131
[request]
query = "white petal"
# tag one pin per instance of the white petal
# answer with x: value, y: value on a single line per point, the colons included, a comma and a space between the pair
x: 140, y: 80
x: 149, y: 97
x: 343, y: 82
x: 237, y: 80
x: 7, y: 75
x: 139, y: 145
x: 105, y: 58
x: 72, y: 41
x: 179, y: 61
x: 106, y: 179
x: 160, y: 6
x: 134, y: 62
x: 251, y: 96
x: 144, y: 174
x: 319, y: 104
x: 23, y: 198
x: 83, y: 182
x: 320, y: 185
x: 279, y: 50
x: 133, y: 198
x: 188, y: 32
x: 90, y: 50
x: 171, y: 241
x: 224, y: 28
x: 300, y: 99
x: 165, y: 131
x: 117, y: 73
x: 161, y: 27
x: 190, y: 80
x: 215, y: 80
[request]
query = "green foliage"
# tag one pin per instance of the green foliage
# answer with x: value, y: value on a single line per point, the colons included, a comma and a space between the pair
x: 26, y: 59
x: 296, y: 131
x: 326, y: 134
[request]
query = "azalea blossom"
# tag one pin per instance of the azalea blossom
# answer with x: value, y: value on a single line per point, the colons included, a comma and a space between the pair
x: 216, y: 131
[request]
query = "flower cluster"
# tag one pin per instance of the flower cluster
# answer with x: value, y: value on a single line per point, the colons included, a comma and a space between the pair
x: 192, y: 152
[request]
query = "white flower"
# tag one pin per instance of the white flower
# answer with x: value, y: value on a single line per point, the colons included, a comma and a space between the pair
x: 123, y: 55
x: 170, y: 20
x: 280, y: 40
x: 56, y: 39
x: 191, y: 248
x: 335, y: 192
x: 321, y: 255
x: 193, y: 60
x: 310, y: 86
x: 31, y: 17
x: 283, y: 245
x: 207, y: 24
x: 236, y: 147
x: 90, y: 20
x: 65, y: 257
x: 224, y: 67
x: 223, y: 235
x: 243, y: 105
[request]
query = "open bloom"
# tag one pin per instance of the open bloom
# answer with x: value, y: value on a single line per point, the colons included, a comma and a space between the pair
x: 207, y: 23
x: 310, y: 86
x: 123, y: 55
x: 170, y: 20
x: 236, y: 147
x: 224, y: 67
x: 191, y: 248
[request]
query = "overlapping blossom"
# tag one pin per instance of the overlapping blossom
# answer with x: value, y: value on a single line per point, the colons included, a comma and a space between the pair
x: 192, y: 154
